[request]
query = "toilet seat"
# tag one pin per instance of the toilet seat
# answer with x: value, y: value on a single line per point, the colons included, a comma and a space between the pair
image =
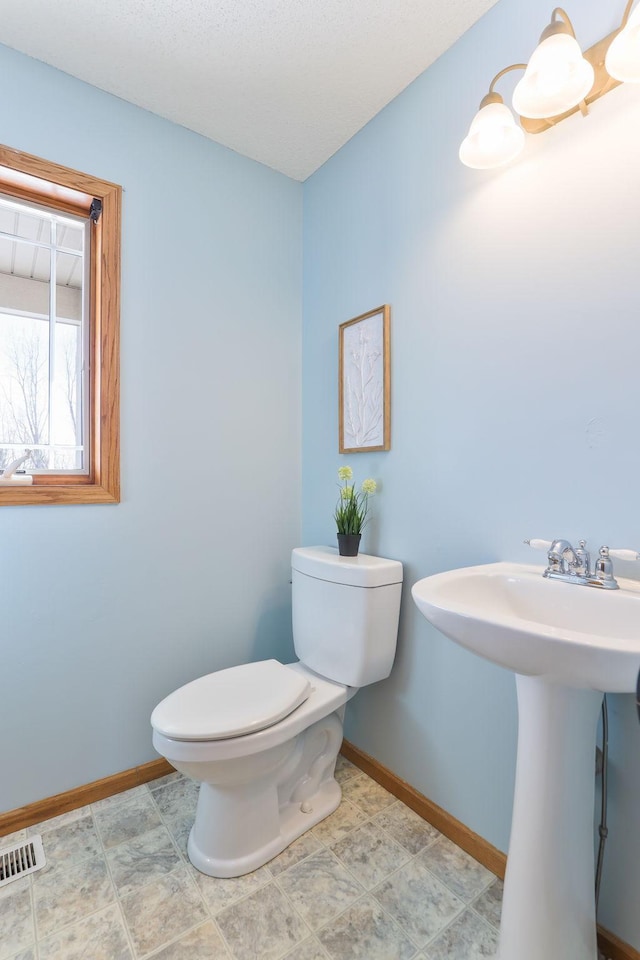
x: 324, y: 698
x: 231, y: 703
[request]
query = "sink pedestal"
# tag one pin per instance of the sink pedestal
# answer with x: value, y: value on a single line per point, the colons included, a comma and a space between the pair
x: 549, y: 900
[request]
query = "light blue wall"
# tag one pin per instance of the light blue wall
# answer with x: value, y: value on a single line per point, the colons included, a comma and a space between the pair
x: 106, y: 609
x: 515, y: 393
x: 515, y: 397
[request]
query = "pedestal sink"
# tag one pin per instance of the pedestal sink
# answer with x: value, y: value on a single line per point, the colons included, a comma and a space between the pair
x: 568, y: 645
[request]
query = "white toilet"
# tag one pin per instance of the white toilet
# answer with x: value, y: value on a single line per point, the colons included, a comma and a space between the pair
x: 262, y: 738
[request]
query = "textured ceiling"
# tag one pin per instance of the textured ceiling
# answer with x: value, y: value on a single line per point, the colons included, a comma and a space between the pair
x: 285, y: 82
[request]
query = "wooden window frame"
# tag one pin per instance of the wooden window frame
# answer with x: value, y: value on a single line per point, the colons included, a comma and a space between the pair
x: 26, y: 177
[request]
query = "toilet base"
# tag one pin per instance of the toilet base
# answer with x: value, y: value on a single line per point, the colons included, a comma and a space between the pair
x: 293, y: 823
x: 251, y: 808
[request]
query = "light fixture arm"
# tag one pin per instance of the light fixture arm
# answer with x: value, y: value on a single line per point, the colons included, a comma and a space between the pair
x: 626, y: 14
x: 514, y: 66
x: 563, y: 15
x: 560, y: 23
x: 492, y: 96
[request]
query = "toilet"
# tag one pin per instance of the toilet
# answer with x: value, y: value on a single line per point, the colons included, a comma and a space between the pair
x: 262, y: 738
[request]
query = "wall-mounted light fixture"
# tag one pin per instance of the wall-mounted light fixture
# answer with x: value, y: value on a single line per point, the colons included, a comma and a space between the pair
x: 558, y: 81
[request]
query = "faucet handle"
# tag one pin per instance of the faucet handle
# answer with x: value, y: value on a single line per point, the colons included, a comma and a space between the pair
x: 539, y: 544
x: 583, y: 559
x: 603, y: 571
x: 624, y: 554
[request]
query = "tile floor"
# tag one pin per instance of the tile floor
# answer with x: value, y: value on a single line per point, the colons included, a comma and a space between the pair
x: 373, y: 881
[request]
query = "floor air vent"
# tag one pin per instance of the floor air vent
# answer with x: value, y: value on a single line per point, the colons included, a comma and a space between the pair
x: 24, y: 858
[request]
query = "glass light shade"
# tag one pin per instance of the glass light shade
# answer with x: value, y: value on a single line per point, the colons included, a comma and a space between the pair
x: 556, y: 79
x: 623, y: 56
x: 494, y: 138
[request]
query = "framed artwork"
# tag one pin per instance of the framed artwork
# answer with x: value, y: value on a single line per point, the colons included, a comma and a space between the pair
x: 364, y: 377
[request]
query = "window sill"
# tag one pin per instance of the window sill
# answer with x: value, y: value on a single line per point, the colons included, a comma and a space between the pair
x: 58, y: 493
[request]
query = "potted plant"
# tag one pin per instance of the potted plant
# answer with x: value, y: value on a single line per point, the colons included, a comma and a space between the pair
x: 351, y: 511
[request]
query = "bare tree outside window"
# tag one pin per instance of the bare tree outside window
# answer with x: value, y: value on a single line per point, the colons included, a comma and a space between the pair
x: 24, y: 366
x: 25, y: 393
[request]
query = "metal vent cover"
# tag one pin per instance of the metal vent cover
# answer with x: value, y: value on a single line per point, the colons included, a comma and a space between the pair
x: 21, y: 859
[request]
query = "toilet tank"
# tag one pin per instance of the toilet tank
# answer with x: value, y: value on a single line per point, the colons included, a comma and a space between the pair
x: 345, y: 614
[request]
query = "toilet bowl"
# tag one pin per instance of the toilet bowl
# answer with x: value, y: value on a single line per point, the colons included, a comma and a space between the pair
x: 261, y: 790
x: 262, y: 738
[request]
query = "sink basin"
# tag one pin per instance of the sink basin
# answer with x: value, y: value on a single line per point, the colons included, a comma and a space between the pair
x: 568, y: 645
x: 508, y: 613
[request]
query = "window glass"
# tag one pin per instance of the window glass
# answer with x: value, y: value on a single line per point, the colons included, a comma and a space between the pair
x: 43, y: 339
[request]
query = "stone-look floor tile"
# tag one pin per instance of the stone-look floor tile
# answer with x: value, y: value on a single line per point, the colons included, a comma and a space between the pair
x: 218, y: 893
x: 406, y: 827
x: 365, y: 932
x: 98, y: 937
x: 71, y: 842
x: 461, y: 873
x: 489, y: 903
x: 162, y: 910
x: 29, y: 954
x: 16, y: 921
x: 370, y: 855
x: 320, y: 888
x: 261, y: 927
x: 125, y: 796
x: 137, y: 861
x: 418, y: 901
x: 60, y: 821
x: 415, y: 908
x: 299, y: 850
x: 65, y: 895
x: 180, y: 828
x: 203, y: 943
x: 163, y: 781
x: 10, y: 839
x: 339, y: 824
x: 345, y: 770
x: 119, y: 822
x: 468, y: 938
x: 177, y: 799
x: 367, y: 795
x: 309, y: 950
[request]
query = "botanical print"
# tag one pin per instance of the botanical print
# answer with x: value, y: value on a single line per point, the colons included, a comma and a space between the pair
x: 363, y: 383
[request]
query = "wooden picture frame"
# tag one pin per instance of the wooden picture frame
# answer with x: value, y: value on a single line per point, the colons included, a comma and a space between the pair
x: 364, y: 377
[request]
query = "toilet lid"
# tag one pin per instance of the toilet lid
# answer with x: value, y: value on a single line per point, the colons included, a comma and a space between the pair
x: 231, y: 703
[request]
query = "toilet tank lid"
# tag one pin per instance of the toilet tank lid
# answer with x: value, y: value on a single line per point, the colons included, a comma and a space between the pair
x: 232, y: 702
x: 324, y: 563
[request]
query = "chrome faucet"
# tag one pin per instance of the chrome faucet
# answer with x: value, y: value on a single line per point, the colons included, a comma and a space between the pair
x: 574, y: 565
x: 562, y: 558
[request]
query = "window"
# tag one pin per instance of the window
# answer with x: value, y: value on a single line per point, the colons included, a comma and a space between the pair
x: 59, y: 315
x: 44, y: 337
